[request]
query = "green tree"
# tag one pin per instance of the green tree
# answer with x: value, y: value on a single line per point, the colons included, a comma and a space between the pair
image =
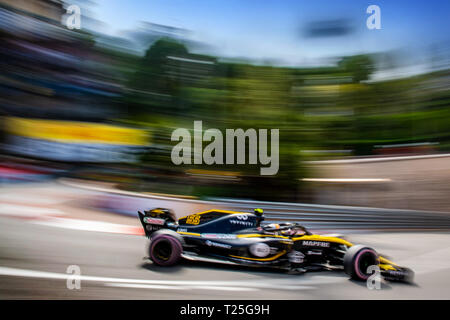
x: 360, y: 67
x: 154, y: 89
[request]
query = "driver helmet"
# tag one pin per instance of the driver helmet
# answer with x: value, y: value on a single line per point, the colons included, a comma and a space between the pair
x: 258, y: 211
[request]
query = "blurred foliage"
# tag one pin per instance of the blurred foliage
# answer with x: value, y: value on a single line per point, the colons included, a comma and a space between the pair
x: 322, y: 108
x: 359, y: 67
x: 50, y: 72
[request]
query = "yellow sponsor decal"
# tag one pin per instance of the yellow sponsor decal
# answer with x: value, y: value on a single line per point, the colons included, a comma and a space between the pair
x: 193, y: 219
x: 386, y: 267
x: 387, y: 262
x: 316, y: 237
x: 262, y: 259
x: 216, y: 210
x: 189, y: 233
x: 75, y: 132
x: 260, y: 235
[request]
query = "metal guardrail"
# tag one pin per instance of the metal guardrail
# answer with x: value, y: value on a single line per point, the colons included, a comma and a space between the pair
x: 315, y: 217
x: 319, y: 217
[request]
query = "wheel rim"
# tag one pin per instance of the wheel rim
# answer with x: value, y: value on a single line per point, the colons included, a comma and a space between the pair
x: 365, y: 260
x: 163, y: 250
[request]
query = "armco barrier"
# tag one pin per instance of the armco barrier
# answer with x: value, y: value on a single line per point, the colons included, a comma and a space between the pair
x: 316, y: 217
x: 319, y: 217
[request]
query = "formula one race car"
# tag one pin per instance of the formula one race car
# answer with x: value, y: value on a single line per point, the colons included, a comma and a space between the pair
x: 241, y: 238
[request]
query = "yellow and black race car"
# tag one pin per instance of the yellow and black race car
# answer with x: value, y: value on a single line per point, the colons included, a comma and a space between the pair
x: 230, y: 237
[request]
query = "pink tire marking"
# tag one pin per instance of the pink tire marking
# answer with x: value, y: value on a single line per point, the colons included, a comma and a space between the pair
x: 357, y: 270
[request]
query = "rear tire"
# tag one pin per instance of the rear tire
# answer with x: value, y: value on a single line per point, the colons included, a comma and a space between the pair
x: 165, y: 250
x: 356, y: 261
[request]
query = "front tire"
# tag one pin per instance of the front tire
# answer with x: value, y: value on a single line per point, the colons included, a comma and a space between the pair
x: 165, y: 250
x: 356, y: 261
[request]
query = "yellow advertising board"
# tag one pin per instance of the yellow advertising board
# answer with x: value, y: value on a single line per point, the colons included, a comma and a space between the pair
x: 75, y: 132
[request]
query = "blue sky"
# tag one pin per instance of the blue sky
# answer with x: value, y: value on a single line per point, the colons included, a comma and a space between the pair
x: 275, y: 29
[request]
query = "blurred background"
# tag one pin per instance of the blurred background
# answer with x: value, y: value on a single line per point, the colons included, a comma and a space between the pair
x: 364, y: 115
x: 86, y: 118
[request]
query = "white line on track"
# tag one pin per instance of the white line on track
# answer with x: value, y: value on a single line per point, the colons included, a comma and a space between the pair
x: 345, y: 180
x: 380, y: 159
x: 225, y: 288
x: 55, y: 218
x: 246, y: 285
x: 26, y: 197
x: 27, y: 210
x: 89, y: 225
x: 145, y: 286
x: 152, y: 286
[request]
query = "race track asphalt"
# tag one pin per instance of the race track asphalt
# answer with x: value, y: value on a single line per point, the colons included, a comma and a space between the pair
x: 34, y: 259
